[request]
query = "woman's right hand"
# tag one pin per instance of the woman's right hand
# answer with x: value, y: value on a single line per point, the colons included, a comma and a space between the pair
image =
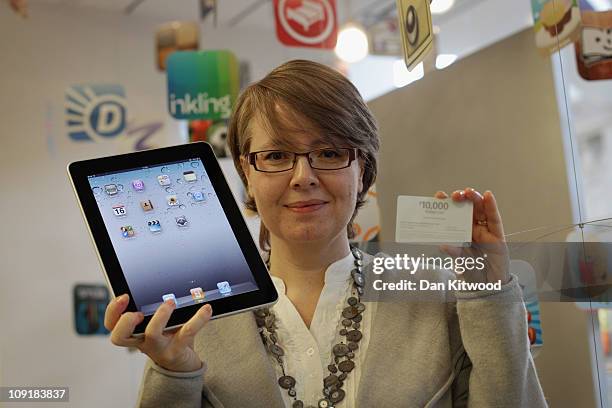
x: 170, y: 350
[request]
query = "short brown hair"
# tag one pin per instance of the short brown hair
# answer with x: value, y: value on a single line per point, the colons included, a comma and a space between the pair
x: 312, y: 96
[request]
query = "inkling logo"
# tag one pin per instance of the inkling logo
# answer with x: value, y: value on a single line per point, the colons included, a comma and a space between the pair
x: 202, y: 84
x: 201, y: 104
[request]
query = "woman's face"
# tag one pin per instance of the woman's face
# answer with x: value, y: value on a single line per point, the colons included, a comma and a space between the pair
x: 280, y: 197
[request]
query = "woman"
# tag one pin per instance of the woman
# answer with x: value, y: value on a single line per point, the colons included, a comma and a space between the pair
x: 305, y: 145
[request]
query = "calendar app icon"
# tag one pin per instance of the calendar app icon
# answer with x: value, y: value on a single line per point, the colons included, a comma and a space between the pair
x: 119, y: 210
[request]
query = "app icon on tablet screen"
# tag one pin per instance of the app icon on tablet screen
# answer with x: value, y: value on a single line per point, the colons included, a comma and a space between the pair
x: 111, y: 189
x: 224, y: 287
x: 169, y: 296
x: 146, y: 205
x: 198, y: 196
x: 172, y: 200
x: 127, y: 231
x: 119, y: 210
x: 138, y: 185
x: 164, y: 180
x: 197, y: 294
x: 181, y: 221
x: 190, y: 176
x: 154, y: 226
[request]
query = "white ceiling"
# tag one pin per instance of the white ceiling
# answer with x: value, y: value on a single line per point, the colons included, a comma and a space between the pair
x: 469, y: 26
x: 462, y: 36
x: 245, y: 13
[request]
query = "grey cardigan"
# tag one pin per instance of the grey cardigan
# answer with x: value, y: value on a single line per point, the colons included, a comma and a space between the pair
x: 474, y: 352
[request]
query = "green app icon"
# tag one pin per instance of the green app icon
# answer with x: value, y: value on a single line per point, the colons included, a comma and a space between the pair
x: 202, y: 84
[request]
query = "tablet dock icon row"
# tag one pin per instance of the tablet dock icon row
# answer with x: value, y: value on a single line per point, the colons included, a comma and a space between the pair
x: 154, y: 226
x: 198, y: 295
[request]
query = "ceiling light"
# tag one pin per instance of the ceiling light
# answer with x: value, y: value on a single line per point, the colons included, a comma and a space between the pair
x: 601, y: 5
x: 403, y: 77
x: 444, y: 60
x: 352, y: 45
x: 441, y: 6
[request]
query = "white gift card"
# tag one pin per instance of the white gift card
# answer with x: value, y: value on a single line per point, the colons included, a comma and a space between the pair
x: 430, y: 220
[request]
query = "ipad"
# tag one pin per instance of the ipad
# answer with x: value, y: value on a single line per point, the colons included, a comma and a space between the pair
x: 166, y: 225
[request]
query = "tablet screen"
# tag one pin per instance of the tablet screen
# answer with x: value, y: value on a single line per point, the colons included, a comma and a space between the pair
x: 171, y: 235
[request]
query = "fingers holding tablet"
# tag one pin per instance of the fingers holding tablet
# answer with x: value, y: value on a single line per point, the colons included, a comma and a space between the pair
x: 154, y: 332
x: 114, y: 310
x: 121, y: 335
x: 171, y: 349
x: 195, y: 324
x: 120, y: 324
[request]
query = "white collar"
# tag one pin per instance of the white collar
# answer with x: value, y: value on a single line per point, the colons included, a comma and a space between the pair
x: 339, y: 271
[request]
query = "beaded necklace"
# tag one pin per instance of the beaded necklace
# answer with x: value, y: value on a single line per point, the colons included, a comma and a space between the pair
x: 343, y: 353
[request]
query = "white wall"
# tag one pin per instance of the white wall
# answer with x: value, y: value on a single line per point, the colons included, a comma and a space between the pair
x: 492, y: 121
x: 44, y: 247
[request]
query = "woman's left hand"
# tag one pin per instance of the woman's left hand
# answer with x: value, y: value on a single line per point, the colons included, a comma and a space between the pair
x: 487, y: 235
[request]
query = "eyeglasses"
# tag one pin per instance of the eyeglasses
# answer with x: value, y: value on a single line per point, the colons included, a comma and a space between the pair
x: 275, y: 161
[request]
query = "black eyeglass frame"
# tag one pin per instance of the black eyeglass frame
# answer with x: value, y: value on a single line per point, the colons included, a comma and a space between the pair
x: 353, y: 152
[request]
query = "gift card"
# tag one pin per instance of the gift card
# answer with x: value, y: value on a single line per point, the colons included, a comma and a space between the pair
x: 431, y: 220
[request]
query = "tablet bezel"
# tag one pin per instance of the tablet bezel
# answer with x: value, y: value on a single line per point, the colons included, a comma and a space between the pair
x: 80, y: 171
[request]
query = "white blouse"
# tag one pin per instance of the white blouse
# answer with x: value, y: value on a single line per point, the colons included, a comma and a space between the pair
x: 308, y: 351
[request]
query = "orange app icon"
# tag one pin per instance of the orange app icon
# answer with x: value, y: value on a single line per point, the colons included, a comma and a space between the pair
x: 197, y: 294
x: 146, y: 205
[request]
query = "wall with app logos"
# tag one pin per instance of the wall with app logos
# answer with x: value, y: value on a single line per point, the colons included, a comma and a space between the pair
x: 56, y: 67
x: 80, y: 83
x: 63, y: 61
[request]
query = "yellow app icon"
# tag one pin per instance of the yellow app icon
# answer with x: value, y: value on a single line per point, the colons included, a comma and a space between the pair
x: 146, y: 205
x: 197, y: 294
x: 416, y: 30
